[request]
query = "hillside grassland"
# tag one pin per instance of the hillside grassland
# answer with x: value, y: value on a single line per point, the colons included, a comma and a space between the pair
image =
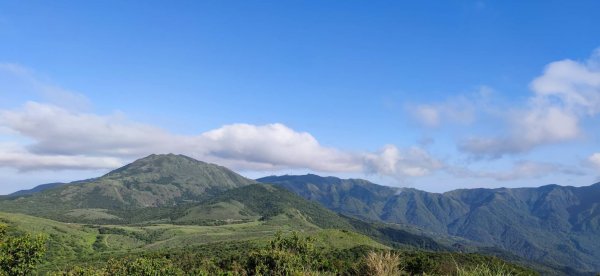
x: 68, y: 242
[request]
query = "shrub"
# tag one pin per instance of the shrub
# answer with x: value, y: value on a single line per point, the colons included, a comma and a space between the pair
x: 420, y: 263
x: 291, y: 255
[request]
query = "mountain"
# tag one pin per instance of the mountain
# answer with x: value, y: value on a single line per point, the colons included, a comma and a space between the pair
x: 37, y: 189
x: 153, y: 181
x: 550, y: 224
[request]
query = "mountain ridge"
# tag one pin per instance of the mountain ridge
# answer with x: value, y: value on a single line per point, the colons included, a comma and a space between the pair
x: 550, y: 224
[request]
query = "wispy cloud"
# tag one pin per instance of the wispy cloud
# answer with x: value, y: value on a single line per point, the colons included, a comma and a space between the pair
x: 25, y: 81
x: 520, y: 170
x: 594, y: 159
x: 408, y: 162
x: 457, y: 110
x: 567, y: 92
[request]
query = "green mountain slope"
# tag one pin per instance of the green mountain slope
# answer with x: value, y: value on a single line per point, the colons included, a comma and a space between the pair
x: 551, y: 224
x: 277, y: 206
x: 356, y: 197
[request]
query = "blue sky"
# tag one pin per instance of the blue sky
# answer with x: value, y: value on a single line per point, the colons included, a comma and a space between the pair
x: 435, y: 95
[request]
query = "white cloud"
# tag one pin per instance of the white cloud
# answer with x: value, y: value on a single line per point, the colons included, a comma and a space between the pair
x: 15, y: 157
x: 530, y: 128
x: 63, y: 139
x: 408, y: 163
x: 567, y: 92
x: 56, y: 130
x: 275, y: 146
x: 575, y: 85
x: 547, y: 125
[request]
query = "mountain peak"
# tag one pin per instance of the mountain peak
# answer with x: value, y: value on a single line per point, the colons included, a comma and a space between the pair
x: 168, y: 157
x: 164, y: 164
x: 156, y: 180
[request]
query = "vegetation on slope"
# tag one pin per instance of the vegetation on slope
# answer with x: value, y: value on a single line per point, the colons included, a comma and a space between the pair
x: 294, y: 254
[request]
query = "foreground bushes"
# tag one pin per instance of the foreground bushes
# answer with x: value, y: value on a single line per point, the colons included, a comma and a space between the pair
x: 289, y: 255
x: 297, y: 255
x: 285, y: 255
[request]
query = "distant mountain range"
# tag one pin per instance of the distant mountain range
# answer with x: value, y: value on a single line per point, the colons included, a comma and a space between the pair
x: 554, y: 227
x: 551, y: 224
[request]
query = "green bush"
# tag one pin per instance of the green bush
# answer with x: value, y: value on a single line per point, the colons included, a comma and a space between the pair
x: 19, y: 255
x: 125, y: 267
x: 419, y: 263
x: 290, y: 255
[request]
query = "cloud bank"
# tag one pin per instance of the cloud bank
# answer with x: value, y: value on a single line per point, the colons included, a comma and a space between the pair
x: 58, y: 138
